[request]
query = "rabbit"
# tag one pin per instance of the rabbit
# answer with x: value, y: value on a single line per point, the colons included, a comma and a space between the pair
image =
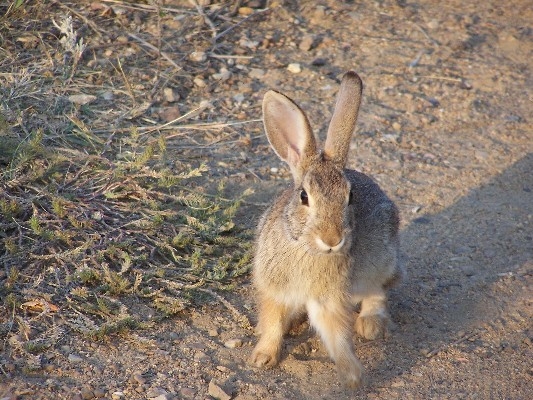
x: 328, y: 243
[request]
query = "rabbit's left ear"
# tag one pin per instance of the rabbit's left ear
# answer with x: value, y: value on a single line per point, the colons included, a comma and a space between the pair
x: 288, y: 131
x: 344, y: 118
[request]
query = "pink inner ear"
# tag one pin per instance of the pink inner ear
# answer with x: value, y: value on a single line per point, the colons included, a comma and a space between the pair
x: 293, y: 156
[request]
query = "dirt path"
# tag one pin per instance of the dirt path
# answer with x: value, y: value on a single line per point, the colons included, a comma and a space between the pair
x: 445, y: 127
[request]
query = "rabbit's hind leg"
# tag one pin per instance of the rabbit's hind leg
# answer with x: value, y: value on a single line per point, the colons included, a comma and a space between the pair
x: 373, y: 320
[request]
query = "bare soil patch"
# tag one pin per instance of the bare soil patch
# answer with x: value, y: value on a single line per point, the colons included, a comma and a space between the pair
x: 119, y: 133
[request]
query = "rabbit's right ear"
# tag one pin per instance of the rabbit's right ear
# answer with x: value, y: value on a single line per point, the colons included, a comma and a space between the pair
x: 288, y: 131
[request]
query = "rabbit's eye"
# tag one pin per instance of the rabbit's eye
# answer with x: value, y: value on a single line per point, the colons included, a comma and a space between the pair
x: 304, y: 198
x: 350, y: 199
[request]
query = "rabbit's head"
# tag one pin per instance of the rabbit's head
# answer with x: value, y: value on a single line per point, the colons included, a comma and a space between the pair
x: 316, y: 214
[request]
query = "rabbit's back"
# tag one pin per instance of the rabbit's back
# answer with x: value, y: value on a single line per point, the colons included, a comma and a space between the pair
x: 375, y: 243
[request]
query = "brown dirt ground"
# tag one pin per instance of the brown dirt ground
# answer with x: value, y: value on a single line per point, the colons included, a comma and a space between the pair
x: 444, y: 127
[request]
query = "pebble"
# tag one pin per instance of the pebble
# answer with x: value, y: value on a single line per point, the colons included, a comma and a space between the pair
x: 294, y: 68
x: 245, y: 10
x: 199, y: 82
x: 156, y: 393
x: 223, y: 75
x: 187, y: 393
x: 214, y: 390
x: 256, y: 73
x: 168, y: 114
x: 233, y: 343
x: 87, y: 394
x: 398, y: 384
x: 198, y: 56
x: 201, y: 356
x: 307, y: 43
x: 212, y: 332
x: 170, y: 95
x: 433, y: 24
x: 222, y: 368
x: 274, y: 170
x: 73, y: 358
x: 81, y: 99
x: 99, y: 393
x: 117, y: 395
x: 137, y: 377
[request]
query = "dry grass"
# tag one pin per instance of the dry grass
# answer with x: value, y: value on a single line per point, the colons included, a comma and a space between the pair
x: 102, y: 204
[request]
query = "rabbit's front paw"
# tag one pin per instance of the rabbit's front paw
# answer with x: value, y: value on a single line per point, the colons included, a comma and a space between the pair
x: 373, y: 326
x: 264, y: 358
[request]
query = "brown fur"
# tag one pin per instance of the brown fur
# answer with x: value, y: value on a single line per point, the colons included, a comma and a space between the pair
x: 327, y: 255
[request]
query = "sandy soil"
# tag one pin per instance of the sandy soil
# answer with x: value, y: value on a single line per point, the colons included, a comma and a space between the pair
x: 445, y: 128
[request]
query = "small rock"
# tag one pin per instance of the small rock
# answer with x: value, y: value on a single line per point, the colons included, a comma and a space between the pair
x: 73, y: 358
x: 233, y: 343
x: 222, y: 75
x: 117, y: 395
x: 81, y: 99
x: 222, y: 368
x: 199, y: 82
x: 319, y: 14
x: 217, y: 392
x: 87, y: 394
x: 425, y: 352
x: 307, y: 43
x: 212, y: 332
x: 99, y: 393
x: 169, y: 113
x: 239, y: 98
x: 433, y: 24
x: 200, y: 356
x: 319, y: 62
x: 246, y: 10
x: 295, y: 68
x: 108, y: 95
x: 170, y: 95
x: 187, y: 393
x: 274, y: 170
x: 398, y: 384
x: 198, y: 56
x: 256, y: 73
x: 137, y: 377
x: 157, y: 393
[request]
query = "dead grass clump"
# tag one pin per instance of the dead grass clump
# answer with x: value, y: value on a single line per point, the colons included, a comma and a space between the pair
x: 95, y: 211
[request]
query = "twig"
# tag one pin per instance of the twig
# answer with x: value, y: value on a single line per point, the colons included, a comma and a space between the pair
x: 204, y: 16
x: 224, y: 56
x: 223, y: 33
x: 146, y: 7
x: 126, y: 81
x: 426, y: 35
x: 152, y: 47
x: 236, y: 313
x: 442, y: 78
x: 200, y: 126
x: 462, y: 339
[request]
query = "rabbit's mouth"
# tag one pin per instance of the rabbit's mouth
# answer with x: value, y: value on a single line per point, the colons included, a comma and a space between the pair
x: 330, y: 248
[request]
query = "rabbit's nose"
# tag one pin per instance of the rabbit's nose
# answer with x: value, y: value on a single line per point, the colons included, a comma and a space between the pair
x: 331, y: 245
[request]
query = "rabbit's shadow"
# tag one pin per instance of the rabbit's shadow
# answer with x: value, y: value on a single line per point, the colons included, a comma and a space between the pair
x: 454, y: 258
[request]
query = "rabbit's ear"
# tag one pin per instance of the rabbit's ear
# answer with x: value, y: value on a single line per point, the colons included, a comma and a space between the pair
x: 288, y: 130
x: 344, y: 117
